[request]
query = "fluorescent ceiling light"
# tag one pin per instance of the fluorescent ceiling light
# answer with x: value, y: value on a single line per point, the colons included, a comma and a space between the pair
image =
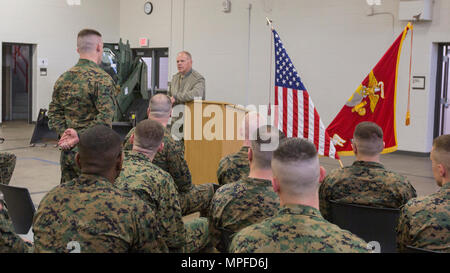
x: 373, y: 2
x: 73, y: 2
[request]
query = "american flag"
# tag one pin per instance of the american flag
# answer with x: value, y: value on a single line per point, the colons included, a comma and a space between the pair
x: 297, y: 116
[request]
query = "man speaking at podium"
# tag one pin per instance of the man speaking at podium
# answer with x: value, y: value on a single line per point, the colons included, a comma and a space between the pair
x: 187, y: 84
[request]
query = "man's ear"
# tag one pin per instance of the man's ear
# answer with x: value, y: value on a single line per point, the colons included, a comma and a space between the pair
x: 161, y: 147
x: 355, y: 150
x: 148, y: 112
x: 99, y: 47
x: 275, y: 184
x: 77, y: 160
x: 442, y: 170
x: 132, y: 138
x: 323, y: 173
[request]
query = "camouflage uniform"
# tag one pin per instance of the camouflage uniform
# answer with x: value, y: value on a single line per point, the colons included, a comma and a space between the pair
x: 82, y: 98
x: 233, y: 167
x: 90, y: 210
x: 241, y: 204
x: 10, y: 242
x: 157, y: 188
x: 365, y: 183
x: 425, y: 222
x: 192, y: 198
x: 299, y: 229
x: 7, y: 165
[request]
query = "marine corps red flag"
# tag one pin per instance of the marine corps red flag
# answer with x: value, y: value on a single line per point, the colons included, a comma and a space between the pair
x: 373, y: 100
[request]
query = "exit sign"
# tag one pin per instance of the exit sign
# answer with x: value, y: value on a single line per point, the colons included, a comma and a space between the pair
x: 143, y: 42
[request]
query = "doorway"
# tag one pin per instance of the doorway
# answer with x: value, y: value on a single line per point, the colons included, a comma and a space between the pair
x: 17, y: 82
x: 157, y: 60
x: 442, y: 109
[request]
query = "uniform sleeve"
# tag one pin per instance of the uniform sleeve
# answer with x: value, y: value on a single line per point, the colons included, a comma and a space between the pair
x: 178, y: 167
x: 170, y: 215
x: 213, y: 219
x: 148, y: 237
x: 10, y: 242
x: 105, y: 104
x: 407, y: 191
x: 221, y: 175
x: 403, y: 227
x: 7, y: 165
x: 56, y: 118
x: 197, y: 90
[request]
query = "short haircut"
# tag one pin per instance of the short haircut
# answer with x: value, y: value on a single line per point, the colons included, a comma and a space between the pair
x: 265, y: 135
x: 296, y: 165
x: 187, y: 54
x: 441, y: 151
x: 99, y: 147
x: 160, y: 106
x: 250, y: 123
x: 368, y: 138
x: 87, y: 40
x: 148, y: 134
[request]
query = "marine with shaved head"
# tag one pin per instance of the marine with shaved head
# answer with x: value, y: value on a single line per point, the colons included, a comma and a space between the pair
x: 89, y: 213
x: 298, y: 226
x: 82, y: 98
x: 170, y: 158
x: 425, y: 221
x: 250, y: 199
x: 366, y: 182
x: 235, y: 166
x: 156, y: 187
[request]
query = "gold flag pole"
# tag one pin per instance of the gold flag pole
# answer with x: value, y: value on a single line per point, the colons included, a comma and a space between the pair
x: 269, y: 110
x: 340, y: 163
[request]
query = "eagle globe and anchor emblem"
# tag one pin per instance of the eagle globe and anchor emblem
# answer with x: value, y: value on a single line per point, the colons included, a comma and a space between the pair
x: 359, y: 106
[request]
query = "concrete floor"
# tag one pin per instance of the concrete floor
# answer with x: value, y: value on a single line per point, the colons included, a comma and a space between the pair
x: 37, y: 168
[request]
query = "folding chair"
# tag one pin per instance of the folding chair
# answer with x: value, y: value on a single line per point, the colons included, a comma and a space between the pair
x: 369, y: 223
x: 20, y: 207
x: 411, y: 249
x: 225, y: 239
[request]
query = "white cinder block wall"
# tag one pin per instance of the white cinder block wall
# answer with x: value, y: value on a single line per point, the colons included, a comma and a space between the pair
x: 333, y: 44
x: 53, y: 25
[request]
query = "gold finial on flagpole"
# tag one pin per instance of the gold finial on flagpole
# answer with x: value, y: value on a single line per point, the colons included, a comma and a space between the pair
x: 269, y: 22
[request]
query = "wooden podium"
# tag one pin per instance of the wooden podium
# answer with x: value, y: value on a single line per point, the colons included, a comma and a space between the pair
x: 211, y: 131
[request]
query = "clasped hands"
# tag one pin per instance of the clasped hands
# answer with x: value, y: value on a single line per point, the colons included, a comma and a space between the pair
x: 69, y: 139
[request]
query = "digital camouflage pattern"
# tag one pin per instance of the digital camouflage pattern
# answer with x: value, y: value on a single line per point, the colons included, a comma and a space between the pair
x: 425, y: 222
x: 69, y: 168
x: 91, y: 211
x: 233, y: 167
x: 241, y: 204
x: 185, y: 88
x: 296, y: 229
x: 10, y: 242
x: 7, y: 165
x: 82, y: 98
x: 365, y: 183
x: 171, y: 159
x: 156, y: 187
x: 197, y: 235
